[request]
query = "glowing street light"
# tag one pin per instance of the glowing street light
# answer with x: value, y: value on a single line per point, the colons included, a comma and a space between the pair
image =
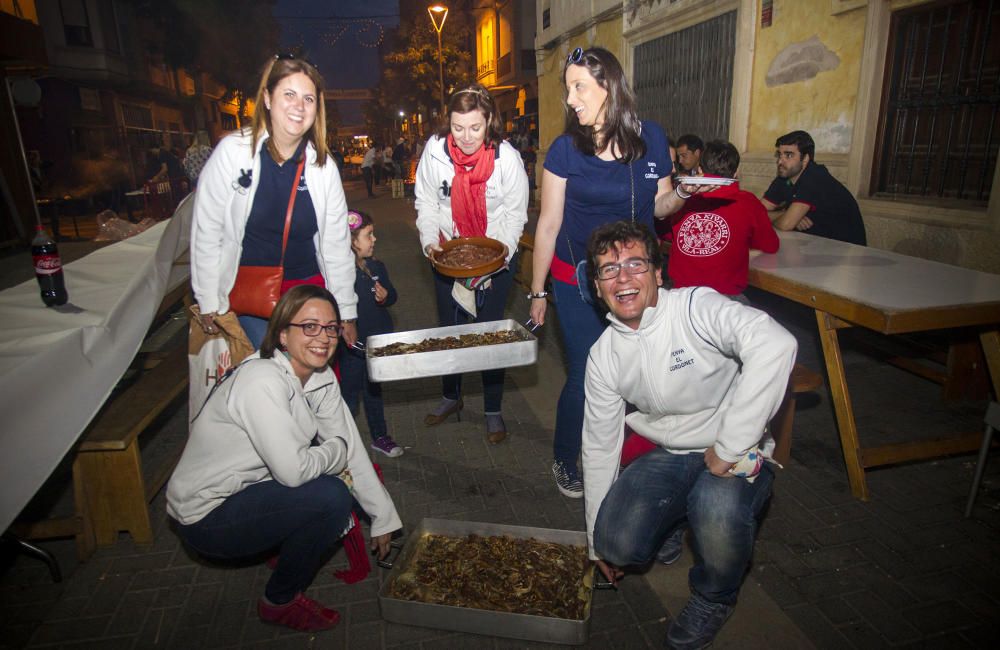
x: 439, y: 14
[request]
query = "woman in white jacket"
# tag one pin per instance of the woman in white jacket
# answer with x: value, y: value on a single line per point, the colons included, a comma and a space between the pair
x: 251, y: 481
x: 243, y: 196
x: 471, y: 183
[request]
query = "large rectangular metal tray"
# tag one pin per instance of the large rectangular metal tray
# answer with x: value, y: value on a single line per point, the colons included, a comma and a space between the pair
x: 449, y: 362
x: 480, y: 621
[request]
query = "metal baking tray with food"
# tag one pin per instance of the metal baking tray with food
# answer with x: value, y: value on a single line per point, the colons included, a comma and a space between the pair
x: 448, y: 362
x: 481, y: 621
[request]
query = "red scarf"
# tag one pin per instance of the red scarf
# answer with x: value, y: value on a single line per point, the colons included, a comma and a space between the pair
x: 468, y: 189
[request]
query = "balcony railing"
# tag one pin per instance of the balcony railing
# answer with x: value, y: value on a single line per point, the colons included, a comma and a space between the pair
x: 484, y: 69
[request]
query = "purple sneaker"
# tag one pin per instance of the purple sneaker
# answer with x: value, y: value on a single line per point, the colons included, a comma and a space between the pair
x: 387, y: 446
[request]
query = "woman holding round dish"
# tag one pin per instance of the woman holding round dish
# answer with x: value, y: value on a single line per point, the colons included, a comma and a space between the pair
x: 471, y: 183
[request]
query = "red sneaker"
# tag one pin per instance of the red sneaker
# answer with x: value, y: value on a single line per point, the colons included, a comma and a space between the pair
x: 303, y: 614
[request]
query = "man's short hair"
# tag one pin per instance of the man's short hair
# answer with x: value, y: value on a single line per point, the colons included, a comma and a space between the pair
x: 620, y: 232
x: 800, y: 139
x: 691, y: 141
x: 720, y: 158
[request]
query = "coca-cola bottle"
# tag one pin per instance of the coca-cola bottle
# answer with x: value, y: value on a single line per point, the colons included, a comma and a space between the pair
x: 48, y: 269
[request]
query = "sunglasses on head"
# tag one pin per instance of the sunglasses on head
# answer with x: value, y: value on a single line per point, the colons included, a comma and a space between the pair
x: 285, y: 56
x: 575, y: 56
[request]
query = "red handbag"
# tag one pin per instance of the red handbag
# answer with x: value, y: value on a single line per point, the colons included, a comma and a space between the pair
x: 258, y: 288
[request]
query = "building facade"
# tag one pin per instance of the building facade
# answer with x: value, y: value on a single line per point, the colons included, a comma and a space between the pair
x: 905, y: 121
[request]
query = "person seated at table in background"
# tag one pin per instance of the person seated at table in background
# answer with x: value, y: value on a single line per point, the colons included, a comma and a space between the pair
x: 163, y: 165
x: 251, y: 482
x: 243, y: 196
x: 689, y: 151
x: 712, y: 235
x: 805, y: 197
x: 471, y: 183
x: 705, y: 374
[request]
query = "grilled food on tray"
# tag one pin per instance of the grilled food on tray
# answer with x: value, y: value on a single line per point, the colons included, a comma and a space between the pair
x: 467, y: 256
x: 450, y: 343
x: 505, y: 574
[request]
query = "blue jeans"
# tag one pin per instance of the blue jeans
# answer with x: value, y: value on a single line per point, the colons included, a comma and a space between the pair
x: 354, y: 383
x: 658, y: 492
x: 304, y: 523
x: 490, y: 304
x: 581, y: 325
x: 255, y: 329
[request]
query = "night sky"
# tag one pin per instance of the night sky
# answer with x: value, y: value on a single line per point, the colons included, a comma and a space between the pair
x: 341, y: 37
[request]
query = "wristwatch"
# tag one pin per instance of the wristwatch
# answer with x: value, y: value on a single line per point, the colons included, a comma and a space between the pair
x: 540, y: 294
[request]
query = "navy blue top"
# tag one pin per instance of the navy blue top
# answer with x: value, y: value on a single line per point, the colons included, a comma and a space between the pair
x: 599, y: 191
x: 373, y: 318
x: 266, y: 224
x: 832, y: 208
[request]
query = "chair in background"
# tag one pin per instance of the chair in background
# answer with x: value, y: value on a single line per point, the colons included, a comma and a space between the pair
x: 992, y: 420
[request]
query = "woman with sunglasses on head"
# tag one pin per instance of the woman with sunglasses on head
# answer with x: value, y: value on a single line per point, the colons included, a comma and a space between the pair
x: 471, y: 183
x: 608, y: 165
x: 277, y: 171
x: 251, y: 482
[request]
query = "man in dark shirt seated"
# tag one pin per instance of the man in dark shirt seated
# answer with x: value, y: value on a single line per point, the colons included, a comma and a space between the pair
x: 806, y: 197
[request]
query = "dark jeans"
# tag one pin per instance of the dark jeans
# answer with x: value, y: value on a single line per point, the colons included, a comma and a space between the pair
x: 354, y: 383
x: 658, y: 492
x: 255, y: 329
x: 490, y: 304
x: 304, y: 523
x: 581, y: 325
x: 367, y: 173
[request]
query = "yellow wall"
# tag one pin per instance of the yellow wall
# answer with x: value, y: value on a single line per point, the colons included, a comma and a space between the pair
x: 550, y: 89
x: 823, y: 105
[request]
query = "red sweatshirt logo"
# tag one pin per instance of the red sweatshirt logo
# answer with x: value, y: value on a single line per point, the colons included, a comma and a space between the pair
x: 702, y: 234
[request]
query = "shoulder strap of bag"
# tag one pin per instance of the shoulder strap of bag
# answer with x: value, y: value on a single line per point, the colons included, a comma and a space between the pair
x: 291, y: 205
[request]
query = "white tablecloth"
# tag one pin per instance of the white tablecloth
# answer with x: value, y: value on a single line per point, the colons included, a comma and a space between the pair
x: 58, y: 365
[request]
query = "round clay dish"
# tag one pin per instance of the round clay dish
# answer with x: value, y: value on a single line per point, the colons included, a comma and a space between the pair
x: 471, y: 271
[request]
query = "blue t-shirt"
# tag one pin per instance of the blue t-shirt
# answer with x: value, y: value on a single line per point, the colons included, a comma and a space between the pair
x: 266, y: 223
x: 599, y: 191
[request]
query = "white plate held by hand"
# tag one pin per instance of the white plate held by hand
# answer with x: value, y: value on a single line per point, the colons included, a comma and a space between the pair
x: 704, y: 180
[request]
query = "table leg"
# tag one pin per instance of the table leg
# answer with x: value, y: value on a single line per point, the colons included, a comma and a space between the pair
x: 828, y: 326
x: 991, y: 349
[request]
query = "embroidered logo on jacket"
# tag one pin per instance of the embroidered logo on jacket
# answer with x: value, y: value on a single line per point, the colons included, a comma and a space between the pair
x: 702, y: 234
x: 677, y: 360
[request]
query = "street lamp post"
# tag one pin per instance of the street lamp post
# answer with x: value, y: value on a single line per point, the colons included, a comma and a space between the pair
x: 439, y: 13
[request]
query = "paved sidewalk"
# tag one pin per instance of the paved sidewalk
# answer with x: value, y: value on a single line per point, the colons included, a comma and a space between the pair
x: 904, y: 569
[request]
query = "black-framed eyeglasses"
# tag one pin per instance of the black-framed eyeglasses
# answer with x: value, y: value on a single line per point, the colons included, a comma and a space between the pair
x: 635, y: 266
x: 312, y: 329
x: 287, y: 56
x: 575, y: 56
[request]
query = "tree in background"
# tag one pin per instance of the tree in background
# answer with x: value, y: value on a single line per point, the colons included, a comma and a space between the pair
x: 228, y: 41
x: 410, y: 65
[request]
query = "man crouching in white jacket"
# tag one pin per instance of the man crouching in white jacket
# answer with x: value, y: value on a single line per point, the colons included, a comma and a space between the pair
x: 705, y: 374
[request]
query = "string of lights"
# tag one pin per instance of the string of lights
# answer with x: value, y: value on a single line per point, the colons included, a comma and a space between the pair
x: 366, y: 32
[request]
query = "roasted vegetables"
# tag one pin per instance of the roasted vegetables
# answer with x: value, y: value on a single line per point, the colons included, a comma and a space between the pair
x: 505, y: 574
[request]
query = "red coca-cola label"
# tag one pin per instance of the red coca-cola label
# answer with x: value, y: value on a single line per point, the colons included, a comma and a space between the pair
x: 47, y: 264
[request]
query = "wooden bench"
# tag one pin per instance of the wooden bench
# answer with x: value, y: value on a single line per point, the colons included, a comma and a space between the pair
x: 802, y: 380
x: 108, y: 467
x: 110, y: 490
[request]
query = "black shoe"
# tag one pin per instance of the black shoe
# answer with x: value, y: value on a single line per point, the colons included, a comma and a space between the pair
x: 568, y: 479
x: 697, y: 624
x: 670, y: 552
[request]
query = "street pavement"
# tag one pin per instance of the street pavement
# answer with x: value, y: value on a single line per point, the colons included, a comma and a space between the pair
x: 902, y: 570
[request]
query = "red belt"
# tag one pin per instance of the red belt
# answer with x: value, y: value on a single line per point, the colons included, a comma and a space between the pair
x: 563, y: 271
